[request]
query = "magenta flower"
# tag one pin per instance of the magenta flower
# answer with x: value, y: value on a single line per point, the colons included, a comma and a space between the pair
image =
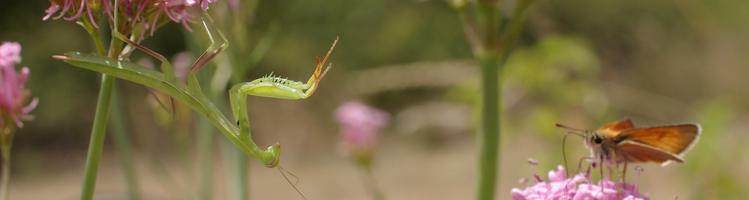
x: 145, y: 15
x: 579, y: 187
x: 360, y: 125
x: 13, y: 94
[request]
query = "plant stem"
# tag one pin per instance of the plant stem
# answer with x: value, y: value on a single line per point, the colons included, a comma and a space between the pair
x: 101, y: 118
x: 488, y: 138
x: 5, y: 182
x: 241, y: 176
x: 7, y: 143
x: 205, y: 159
x: 119, y: 129
x: 491, y: 51
x: 97, y: 136
x: 489, y: 135
x: 371, y: 184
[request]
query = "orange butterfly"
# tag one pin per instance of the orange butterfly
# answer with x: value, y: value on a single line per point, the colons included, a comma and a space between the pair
x: 621, y: 142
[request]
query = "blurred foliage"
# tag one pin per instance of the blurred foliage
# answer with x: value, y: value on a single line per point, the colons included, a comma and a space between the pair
x: 553, y: 78
x: 581, y: 63
x: 716, y: 116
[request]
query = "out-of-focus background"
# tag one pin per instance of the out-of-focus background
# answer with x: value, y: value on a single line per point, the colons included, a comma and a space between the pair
x: 580, y: 62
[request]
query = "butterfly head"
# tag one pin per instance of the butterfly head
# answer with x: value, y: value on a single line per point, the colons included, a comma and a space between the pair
x: 594, y: 139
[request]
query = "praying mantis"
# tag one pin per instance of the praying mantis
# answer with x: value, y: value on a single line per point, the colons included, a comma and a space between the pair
x: 191, y: 94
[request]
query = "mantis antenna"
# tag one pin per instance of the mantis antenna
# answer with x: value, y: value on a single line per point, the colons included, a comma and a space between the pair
x: 295, y: 184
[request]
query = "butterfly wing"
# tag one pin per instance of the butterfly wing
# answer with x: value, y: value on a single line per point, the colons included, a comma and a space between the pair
x: 636, y: 152
x: 613, y: 129
x: 673, y: 139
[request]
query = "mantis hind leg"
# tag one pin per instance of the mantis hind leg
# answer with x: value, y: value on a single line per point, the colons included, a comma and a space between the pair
x: 165, y: 66
x: 217, y: 43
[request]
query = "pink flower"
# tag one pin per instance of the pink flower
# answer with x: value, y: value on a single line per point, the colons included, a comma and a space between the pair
x: 204, y: 3
x: 234, y: 5
x: 13, y: 94
x: 10, y: 53
x: 578, y: 187
x: 143, y: 13
x: 182, y: 62
x: 74, y: 9
x: 53, y: 8
x: 360, y: 125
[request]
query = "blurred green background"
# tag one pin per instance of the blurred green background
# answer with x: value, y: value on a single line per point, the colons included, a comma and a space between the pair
x: 580, y: 63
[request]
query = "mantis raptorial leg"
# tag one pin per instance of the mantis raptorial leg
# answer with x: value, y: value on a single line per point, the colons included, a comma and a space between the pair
x: 274, y: 87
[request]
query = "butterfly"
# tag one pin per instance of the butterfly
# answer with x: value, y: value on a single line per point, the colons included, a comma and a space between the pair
x: 621, y: 142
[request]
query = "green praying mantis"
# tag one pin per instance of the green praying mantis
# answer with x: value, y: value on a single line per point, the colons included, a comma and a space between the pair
x: 191, y: 94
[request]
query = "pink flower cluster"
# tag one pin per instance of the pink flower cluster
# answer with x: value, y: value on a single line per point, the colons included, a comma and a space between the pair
x: 144, y: 13
x: 13, y: 94
x: 360, y: 125
x: 579, y: 187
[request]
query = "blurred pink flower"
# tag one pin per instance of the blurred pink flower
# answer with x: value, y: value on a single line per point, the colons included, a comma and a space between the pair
x: 579, y: 187
x: 204, y: 3
x: 234, y: 5
x: 13, y: 94
x: 360, y: 125
x: 182, y: 62
x: 10, y: 53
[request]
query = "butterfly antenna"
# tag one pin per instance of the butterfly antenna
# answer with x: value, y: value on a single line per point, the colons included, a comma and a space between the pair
x: 293, y: 185
x: 574, y: 131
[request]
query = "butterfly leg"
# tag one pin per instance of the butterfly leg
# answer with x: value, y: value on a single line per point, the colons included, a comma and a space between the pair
x: 624, y: 172
x: 580, y: 163
x: 600, y: 169
x: 564, y: 156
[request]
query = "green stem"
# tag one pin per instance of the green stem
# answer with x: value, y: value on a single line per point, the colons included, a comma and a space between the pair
x: 205, y: 159
x: 119, y: 130
x: 236, y: 163
x: 488, y: 138
x: 488, y: 22
x: 5, y: 182
x: 489, y: 135
x: 98, y: 131
x: 241, y: 176
x: 7, y: 143
x: 371, y: 184
x: 101, y: 118
x: 491, y: 50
